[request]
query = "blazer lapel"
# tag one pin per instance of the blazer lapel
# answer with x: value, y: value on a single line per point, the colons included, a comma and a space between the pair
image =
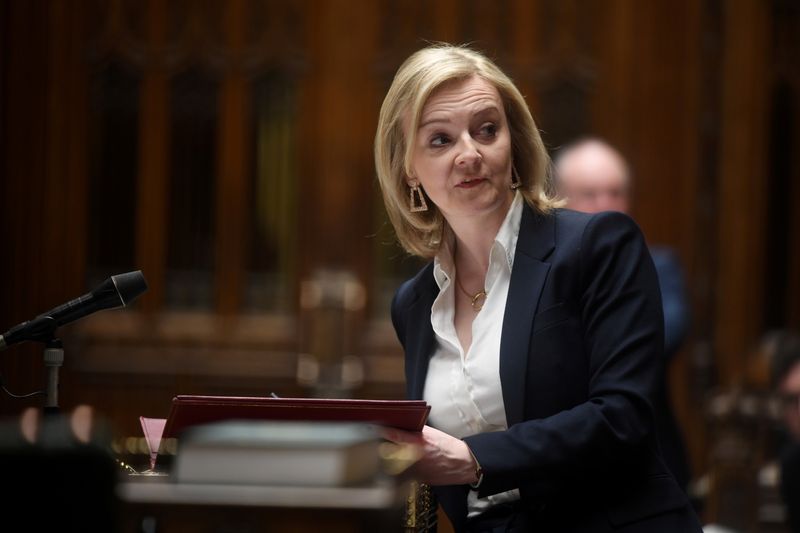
x: 536, y: 241
x: 420, y: 336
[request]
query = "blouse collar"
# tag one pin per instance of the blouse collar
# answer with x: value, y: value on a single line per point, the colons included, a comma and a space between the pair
x: 505, y: 244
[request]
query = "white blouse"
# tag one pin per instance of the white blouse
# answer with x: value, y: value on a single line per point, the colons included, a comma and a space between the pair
x: 463, y: 389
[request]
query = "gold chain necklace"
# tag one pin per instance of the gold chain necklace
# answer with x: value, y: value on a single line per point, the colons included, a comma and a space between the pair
x: 476, y: 300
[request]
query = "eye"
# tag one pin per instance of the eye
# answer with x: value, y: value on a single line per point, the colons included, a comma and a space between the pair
x: 439, y: 139
x: 488, y: 130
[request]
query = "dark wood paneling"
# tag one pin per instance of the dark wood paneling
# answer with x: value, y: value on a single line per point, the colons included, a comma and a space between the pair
x: 614, y: 43
x: 32, y: 259
x: 232, y: 171
x: 525, y: 16
x: 340, y: 112
x: 154, y: 135
x: 793, y: 288
x: 742, y: 192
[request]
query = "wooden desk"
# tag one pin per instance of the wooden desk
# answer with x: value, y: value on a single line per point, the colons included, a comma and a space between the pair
x: 166, y: 507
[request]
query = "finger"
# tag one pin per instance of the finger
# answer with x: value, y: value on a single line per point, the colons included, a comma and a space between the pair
x: 429, y: 431
x: 399, y: 436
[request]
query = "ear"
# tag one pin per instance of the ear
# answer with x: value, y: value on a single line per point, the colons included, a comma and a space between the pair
x: 411, y: 177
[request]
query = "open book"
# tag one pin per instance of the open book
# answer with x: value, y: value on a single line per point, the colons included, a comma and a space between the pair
x: 188, y: 411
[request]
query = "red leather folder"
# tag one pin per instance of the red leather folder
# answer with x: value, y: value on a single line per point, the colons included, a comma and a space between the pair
x: 189, y: 411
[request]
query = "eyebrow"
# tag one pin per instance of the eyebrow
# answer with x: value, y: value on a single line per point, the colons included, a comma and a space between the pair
x: 434, y: 121
x: 483, y: 110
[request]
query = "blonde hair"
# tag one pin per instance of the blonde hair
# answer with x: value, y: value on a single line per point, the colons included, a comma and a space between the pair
x: 417, y: 78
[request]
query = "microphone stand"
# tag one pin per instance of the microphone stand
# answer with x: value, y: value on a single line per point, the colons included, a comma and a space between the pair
x: 43, y: 329
x: 53, y: 360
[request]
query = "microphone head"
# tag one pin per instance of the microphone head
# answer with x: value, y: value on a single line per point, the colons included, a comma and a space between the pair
x: 116, y: 291
x: 129, y: 285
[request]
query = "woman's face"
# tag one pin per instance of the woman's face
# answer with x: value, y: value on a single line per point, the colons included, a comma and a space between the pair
x: 462, y: 152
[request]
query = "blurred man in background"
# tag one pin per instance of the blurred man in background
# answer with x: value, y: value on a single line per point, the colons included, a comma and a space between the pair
x: 593, y: 176
x: 785, y: 379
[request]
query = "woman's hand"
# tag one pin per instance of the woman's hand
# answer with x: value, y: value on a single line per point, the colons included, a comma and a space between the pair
x: 444, y: 460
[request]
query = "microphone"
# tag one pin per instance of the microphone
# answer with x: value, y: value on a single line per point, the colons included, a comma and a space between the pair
x: 116, y: 291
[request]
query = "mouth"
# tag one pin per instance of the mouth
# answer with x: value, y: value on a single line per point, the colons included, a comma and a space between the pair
x: 470, y: 182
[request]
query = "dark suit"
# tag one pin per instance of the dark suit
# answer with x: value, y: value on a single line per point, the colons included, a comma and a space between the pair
x: 677, y: 319
x: 581, y: 337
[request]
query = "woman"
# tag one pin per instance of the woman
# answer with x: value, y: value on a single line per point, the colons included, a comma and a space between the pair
x: 534, y: 333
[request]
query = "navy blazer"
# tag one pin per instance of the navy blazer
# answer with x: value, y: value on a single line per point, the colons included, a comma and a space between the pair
x: 581, y: 342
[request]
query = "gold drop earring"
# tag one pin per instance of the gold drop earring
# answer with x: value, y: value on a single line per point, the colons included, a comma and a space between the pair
x: 417, y: 201
x: 516, y: 183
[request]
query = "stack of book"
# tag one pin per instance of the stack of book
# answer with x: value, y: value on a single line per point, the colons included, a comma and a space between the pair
x: 279, y: 441
x: 278, y: 453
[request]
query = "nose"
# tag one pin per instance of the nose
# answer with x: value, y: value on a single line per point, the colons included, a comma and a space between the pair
x: 468, y: 155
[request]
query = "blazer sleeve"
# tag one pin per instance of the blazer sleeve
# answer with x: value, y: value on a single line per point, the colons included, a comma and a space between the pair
x: 621, y: 325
